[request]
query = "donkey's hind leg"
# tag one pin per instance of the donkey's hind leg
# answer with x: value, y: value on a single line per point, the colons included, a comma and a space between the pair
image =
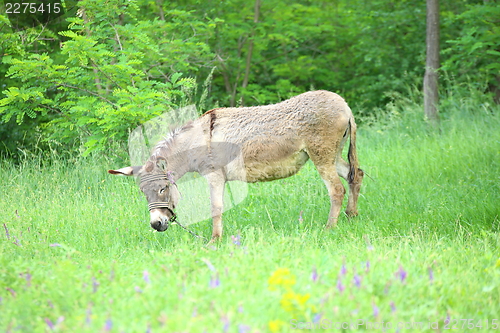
x: 354, y: 186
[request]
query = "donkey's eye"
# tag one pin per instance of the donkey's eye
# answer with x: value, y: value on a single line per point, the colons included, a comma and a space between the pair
x: 162, y: 190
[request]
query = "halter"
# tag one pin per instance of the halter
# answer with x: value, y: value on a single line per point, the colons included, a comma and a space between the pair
x: 156, y: 205
x: 149, y: 178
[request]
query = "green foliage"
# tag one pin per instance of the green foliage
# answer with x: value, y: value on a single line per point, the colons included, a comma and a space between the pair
x: 473, y: 55
x: 358, y: 48
x: 112, y: 74
x: 90, y: 78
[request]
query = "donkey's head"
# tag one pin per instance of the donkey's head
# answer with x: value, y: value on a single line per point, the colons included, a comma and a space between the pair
x: 158, y: 184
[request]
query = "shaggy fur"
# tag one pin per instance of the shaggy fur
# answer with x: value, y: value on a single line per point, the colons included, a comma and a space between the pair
x: 261, y: 143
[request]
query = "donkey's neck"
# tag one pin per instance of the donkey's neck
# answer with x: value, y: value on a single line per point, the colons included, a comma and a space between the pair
x: 175, y: 150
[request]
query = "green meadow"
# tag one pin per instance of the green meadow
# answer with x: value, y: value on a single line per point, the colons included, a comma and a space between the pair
x: 77, y: 253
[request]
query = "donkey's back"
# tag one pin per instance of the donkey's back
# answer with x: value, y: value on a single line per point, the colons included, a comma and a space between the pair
x: 297, y: 116
x: 277, y: 140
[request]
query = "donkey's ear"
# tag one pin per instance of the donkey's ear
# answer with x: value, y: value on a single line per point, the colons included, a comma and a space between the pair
x: 128, y: 171
x: 161, y: 163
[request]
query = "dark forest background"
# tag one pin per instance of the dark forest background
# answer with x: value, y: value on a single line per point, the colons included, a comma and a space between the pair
x: 81, y: 82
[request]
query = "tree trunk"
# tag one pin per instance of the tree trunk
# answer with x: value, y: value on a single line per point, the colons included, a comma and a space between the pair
x: 161, y: 13
x: 431, y: 97
x: 250, y: 47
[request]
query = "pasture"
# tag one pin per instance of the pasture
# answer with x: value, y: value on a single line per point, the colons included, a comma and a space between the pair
x: 78, y: 254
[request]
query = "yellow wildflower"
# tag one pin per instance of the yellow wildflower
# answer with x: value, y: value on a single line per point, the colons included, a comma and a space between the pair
x: 281, y: 277
x: 276, y: 325
x: 292, y: 301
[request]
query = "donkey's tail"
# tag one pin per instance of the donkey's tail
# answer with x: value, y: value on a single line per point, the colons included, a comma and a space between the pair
x: 355, y: 172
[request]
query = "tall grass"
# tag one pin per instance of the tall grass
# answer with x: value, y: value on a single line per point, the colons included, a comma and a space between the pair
x: 77, y: 253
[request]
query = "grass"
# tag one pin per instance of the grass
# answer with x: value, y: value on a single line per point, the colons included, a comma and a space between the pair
x: 77, y: 253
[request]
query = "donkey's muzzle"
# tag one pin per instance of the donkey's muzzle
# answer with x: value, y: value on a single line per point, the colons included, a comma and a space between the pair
x: 160, y: 225
x: 160, y: 219
x: 159, y: 215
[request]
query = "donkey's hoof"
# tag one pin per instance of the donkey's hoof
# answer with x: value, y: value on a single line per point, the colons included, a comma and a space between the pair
x: 351, y: 213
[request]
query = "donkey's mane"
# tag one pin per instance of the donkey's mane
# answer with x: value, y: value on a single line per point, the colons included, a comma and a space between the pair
x: 165, y: 146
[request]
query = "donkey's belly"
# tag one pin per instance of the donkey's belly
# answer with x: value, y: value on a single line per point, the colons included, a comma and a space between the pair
x: 268, y: 169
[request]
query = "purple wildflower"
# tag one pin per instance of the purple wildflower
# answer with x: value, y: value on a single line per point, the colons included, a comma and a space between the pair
x: 393, y: 306
x: 243, y: 328
x: 447, y: 320
x: 376, y: 311
x: 301, y: 219
x: 401, y: 274
x: 55, y: 245
x: 6, y: 231
x: 49, y: 323
x: 108, y: 325
x: 343, y: 269
x: 214, y: 281
x: 148, y: 329
x: 314, y: 275
x: 88, y: 316
x: 225, y: 321
x: 317, y: 317
x: 367, y: 266
x: 195, y: 312
x: 145, y: 276
x: 357, y: 280
x: 236, y: 240
x: 340, y: 286
x: 95, y: 284
x: 138, y: 289
x: 431, y: 274
x: 240, y: 309
x: 27, y: 276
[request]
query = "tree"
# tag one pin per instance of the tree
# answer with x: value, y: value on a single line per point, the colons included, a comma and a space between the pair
x: 472, y: 36
x: 113, y: 72
x: 431, y: 97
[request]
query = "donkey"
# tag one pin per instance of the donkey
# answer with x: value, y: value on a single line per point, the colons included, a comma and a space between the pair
x: 271, y: 141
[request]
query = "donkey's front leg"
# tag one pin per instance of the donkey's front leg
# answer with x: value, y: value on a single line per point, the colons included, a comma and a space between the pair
x: 216, y: 183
